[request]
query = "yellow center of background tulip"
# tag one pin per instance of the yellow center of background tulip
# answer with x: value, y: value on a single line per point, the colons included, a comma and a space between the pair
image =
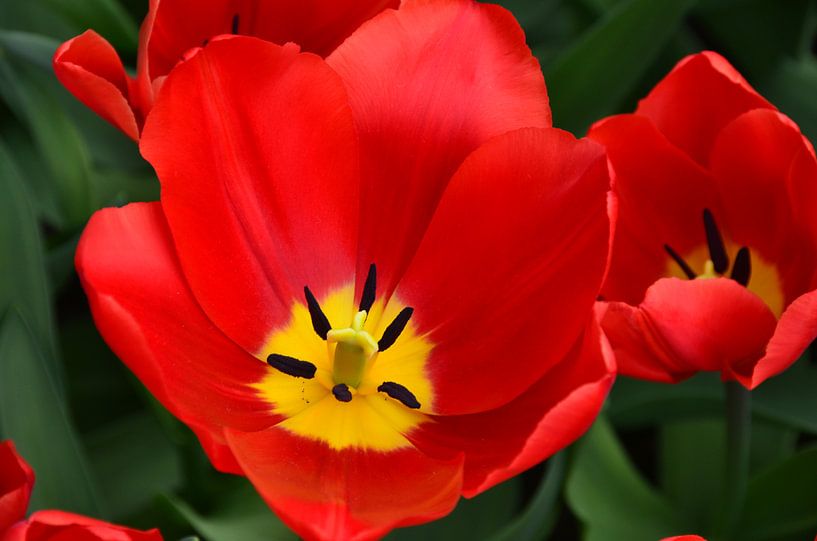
x: 764, y: 280
x: 370, y: 419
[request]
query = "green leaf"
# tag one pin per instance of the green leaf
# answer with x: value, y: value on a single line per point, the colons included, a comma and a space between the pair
x: 691, y: 467
x: 33, y: 414
x: 787, y: 399
x: 134, y: 461
x: 106, y: 17
x: 33, y: 48
x: 792, y: 87
x: 636, y: 404
x: 754, y: 34
x: 591, y: 79
x: 22, y: 265
x: 538, y: 519
x: 30, y: 94
x: 477, y: 518
x: 240, y: 514
x: 782, y: 501
x: 610, y: 497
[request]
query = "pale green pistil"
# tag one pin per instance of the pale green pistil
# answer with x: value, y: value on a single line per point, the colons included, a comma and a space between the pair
x: 354, y: 349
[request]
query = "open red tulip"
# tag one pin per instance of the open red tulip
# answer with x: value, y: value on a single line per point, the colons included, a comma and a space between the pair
x: 714, y: 265
x: 16, y: 482
x: 368, y: 286
x: 91, y: 70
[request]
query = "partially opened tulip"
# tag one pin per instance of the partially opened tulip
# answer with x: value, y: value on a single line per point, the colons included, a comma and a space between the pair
x: 16, y: 483
x: 91, y: 70
x: 714, y: 265
x: 368, y: 286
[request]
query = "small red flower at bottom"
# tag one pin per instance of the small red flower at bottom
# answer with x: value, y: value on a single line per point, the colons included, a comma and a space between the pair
x: 714, y: 263
x: 16, y: 482
x: 684, y: 538
x: 369, y: 284
x: 61, y: 526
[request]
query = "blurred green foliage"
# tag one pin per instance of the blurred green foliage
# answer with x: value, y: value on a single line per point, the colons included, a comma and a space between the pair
x: 99, y: 443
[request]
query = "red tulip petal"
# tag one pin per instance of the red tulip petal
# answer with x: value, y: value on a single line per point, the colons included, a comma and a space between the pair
x: 16, y: 481
x: 753, y: 164
x: 510, y: 266
x: 90, y: 69
x: 796, y: 329
x: 547, y: 417
x: 62, y: 526
x: 147, y: 315
x: 696, y: 100
x: 316, y: 25
x: 661, y: 196
x: 259, y: 180
x: 428, y: 84
x: 684, y: 326
x: 350, y: 494
x: 684, y: 538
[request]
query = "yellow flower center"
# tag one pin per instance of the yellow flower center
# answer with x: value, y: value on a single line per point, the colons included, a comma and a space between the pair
x: 347, y: 375
x: 711, y: 260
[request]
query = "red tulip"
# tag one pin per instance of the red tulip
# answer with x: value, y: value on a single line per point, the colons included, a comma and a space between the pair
x: 714, y: 265
x: 16, y: 482
x: 368, y: 285
x: 684, y: 538
x: 90, y: 69
x: 61, y: 526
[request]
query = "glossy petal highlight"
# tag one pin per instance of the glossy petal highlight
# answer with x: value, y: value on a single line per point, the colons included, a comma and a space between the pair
x: 515, y: 196
x: 427, y: 85
x: 257, y: 172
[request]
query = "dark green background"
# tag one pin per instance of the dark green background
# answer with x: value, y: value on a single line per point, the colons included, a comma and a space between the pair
x: 102, y: 446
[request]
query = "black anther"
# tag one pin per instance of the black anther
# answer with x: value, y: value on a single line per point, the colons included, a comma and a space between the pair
x: 234, y: 26
x: 292, y: 366
x: 742, y: 269
x: 342, y: 392
x: 395, y: 328
x: 319, y: 320
x: 399, y: 393
x: 717, y: 250
x: 369, y: 289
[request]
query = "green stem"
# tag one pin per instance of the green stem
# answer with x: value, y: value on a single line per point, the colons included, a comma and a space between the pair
x: 738, y: 439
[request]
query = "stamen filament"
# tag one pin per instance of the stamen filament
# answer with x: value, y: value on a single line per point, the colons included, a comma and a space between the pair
x: 680, y: 261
